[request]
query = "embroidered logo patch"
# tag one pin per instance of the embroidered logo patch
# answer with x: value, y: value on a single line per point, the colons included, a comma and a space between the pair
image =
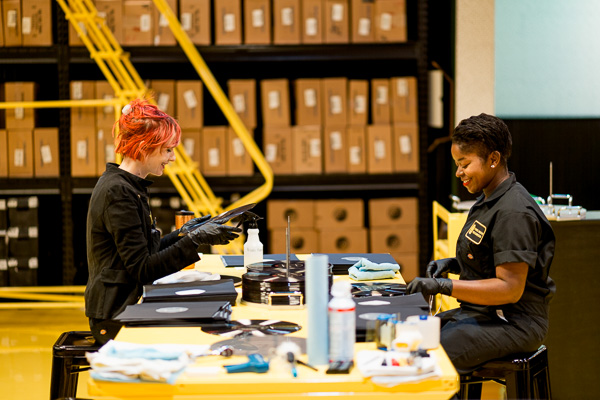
x: 476, y: 232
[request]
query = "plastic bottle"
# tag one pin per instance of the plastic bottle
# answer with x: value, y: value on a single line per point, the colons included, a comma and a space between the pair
x: 342, y: 322
x: 253, y: 248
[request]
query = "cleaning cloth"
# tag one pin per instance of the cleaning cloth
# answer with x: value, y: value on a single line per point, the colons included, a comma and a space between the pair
x: 365, y: 265
x: 365, y: 270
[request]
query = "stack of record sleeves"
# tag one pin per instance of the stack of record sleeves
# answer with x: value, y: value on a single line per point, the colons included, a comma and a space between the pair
x: 270, y: 283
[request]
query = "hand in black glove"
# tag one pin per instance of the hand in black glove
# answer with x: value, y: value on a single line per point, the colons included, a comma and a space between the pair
x: 438, y: 267
x: 191, y: 224
x: 213, y: 233
x: 430, y: 286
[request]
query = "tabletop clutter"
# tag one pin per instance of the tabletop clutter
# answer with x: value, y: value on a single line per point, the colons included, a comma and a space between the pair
x: 340, y: 312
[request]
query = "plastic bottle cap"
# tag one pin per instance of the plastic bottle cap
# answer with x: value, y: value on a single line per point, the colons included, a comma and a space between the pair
x: 341, y: 289
x: 423, y: 317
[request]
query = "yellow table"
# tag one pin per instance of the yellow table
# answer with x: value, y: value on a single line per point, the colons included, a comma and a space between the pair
x: 277, y: 383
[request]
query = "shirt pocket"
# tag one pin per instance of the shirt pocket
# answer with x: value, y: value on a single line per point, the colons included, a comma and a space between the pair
x: 478, y: 262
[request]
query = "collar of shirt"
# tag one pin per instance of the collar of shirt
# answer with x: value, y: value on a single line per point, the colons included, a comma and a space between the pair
x: 140, y: 183
x: 500, y: 190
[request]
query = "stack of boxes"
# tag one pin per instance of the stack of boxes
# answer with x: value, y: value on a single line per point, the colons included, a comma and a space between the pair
x: 26, y: 23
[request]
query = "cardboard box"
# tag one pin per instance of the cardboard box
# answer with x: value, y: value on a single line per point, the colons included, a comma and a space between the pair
x: 335, y: 143
x: 163, y: 36
x: 379, y: 147
x: 307, y: 147
x: 36, y: 23
x: 112, y: 12
x: 301, y: 213
x: 11, y: 12
x: 74, y: 39
x: 83, y: 151
x: 275, y: 102
x: 343, y: 240
x: 390, y: 21
x: 191, y: 140
x: 337, y: 21
x: 190, y: 104
x: 302, y: 241
x: 257, y: 22
x: 399, y: 239
x: 214, y: 151
x: 239, y: 162
x: 286, y: 22
x: 362, y: 21
x: 228, y: 22
x: 196, y: 20
x: 308, y: 102
x: 393, y: 212
x: 380, y: 102
x: 20, y: 153
x: 312, y: 21
x: 138, y: 23
x: 23, y: 271
x: 357, y: 154
x: 46, y: 155
x: 83, y: 116
x: 409, y: 265
x: 105, y: 116
x: 358, y: 102
x: 339, y: 214
x: 20, y: 118
x: 404, y: 99
x: 164, y: 94
x: 335, y: 99
x: 105, y: 148
x: 3, y: 155
x: 242, y: 95
x: 406, y: 147
x: 277, y: 148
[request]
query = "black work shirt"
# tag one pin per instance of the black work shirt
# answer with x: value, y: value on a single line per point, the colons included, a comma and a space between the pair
x: 509, y: 227
x: 124, y: 250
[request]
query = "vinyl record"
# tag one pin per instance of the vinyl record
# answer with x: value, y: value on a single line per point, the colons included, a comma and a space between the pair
x: 253, y: 327
x: 270, y: 283
x: 366, y: 289
x: 263, y: 345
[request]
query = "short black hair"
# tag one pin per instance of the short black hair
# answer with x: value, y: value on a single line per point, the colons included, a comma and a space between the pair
x: 483, y: 134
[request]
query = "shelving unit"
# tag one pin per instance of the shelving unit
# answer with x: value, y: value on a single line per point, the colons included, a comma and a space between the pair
x: 57, y: 65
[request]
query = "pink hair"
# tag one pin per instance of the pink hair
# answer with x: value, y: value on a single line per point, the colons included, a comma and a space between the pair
x: 143, y: 129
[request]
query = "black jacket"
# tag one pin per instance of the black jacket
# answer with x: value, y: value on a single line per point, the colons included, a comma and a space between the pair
x: 124, y: 251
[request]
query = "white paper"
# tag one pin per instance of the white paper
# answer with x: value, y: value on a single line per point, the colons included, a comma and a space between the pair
x: 145, y: 22
x: 11, y: 18
x: 337, y: 12
x: 46, y: 154
x: 364, y: 27
x: 186, y: 21
x: 335, y: 104
x: 405, y: 144
x: 287, y: 16
x: 26, y: 25
x: 258, y: 18
x: 273, y: 100
x: 214, y: 158
x: 310, y: 98
x: 385, y: 23
x: 335, y: 138
x: 229, y: 22
x: 311, y: 26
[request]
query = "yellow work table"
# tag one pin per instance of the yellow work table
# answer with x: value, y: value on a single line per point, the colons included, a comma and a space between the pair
x: 277, y: 382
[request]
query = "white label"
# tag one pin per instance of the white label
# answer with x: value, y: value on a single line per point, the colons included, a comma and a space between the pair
x: 26, y: 25
x: 214, y: 158
x: 229, y: 22
x: 258, y: 18
x: 335, y: 138
x: 310, y: 98
x: 355, y: 155
x: 188, y: 145
x: 238, y: 147
x: 82, y: 27
x: 163, y: 101
x: 163, y: 21
x: 186, y: 21
x: 335, y: 104
x: 405, y: 144
x: 46, y: 154
x: 273, y: 100
x: 33, y: 263
x: 32, y: 202
x: 145, y: 22
x: 360, y: 104
x: 364, y: 27
x: 109, y: 153
x: 379, y: 149
x: 13, y: 232
x: 77, y: 89
x: 337, y: 12
x: 32, y: 231
x: 102, y: 14
x: 12, y: 262
x: 385, y: 23
x: 19, y: 113
x: 11, y: 18
x: 311, y: 26
x: 2, y: 204
x: 108, y: 109
x: 314, y: 147
x: 287, y: 16
x: 239, y: 103
x: 19, y: 158
x: 100, y: 134
x: 402, y: 87
x: 81, y: 149
x: 271, y: 152
x: 381, y: 95
x: 189, y: 96
x: 3, y: 265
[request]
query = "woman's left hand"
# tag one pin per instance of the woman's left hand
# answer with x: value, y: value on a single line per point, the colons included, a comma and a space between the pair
x: 430, y: 286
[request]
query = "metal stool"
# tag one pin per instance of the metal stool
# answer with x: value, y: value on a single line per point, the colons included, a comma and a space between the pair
x: 68, y: 360
x: 526, y: 376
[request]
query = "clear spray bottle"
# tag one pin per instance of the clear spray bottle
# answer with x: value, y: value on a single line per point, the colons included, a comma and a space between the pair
x: 253, y: 248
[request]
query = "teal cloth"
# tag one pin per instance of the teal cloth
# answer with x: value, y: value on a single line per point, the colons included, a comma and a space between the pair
x: 367, y: 275
x: 365, y: 265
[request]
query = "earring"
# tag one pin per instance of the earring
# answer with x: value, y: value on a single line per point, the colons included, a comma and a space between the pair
x: 493, y: 166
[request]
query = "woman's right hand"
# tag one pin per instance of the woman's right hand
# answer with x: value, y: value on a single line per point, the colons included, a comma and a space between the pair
x: 437, y: 267
x: 213, y: 234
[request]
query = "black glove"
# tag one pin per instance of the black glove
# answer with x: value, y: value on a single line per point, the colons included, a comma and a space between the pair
x: 213, y: 233
x: 191, y: 224
x: 430, y: 286
x: 436, y: 268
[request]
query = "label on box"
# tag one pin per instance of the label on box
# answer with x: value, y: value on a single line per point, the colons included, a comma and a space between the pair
x: 239, y: 103
x: 186, y: 21
x: 2, y: 204
x: 32, y: 231
x: 26, y: 25
x: 108, y: 109
x: 335, y: 104
x: 102, y: 14
x: 229, y: 22
x: 335, y: 138
x: 311, y: 26
x: 46, y: 154
x: 238, y: 147
x: 287, y: 16
x: 11, y: 18
x: 385, y: 23
x: 315, y: 147
x: 310, y: 98
x: 163, y: 101
x: 189, y: 96
x: 145, y: 22
x: 273, y: 100
x: 355, y: 155
x: 19, y: 113
x: 188, y: 145
x: 12, y: 232
x: 379, y: 149
x: 77, y: 88
x: 258, y: 18
x: 405, y: 144
x: 360, y: 104
x: 19, y: 158
x: 3, y: 265
x: 337, y: 12
x: 33, y: 263
x: 81, y: 149
x: 109, y: 153
x: 271, y: 152
x: 214, y: 160
x: 364, y: 27
x: 381, y: 96
x: 162, y: 21
x: 100, y: 134
x: 402, y: 87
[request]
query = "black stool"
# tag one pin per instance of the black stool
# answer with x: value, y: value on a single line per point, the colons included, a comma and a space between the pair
x: 68, y: 360
x: 526, y: 376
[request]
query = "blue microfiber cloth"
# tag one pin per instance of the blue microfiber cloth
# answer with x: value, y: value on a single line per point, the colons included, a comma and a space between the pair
x: 367, y: 275
x: 365, y: 265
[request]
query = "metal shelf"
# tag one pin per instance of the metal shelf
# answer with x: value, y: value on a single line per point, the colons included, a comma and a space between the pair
x: 29, y: 186
x: 29, y: 55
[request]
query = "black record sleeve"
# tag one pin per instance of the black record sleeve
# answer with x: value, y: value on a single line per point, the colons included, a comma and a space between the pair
x: 220, y: 290
x: 205, y: 313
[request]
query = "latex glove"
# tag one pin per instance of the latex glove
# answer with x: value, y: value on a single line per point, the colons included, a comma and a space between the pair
x: 430, y: 286
x: 191, y: 224
x: 213, y: 233
x: 438, y: 267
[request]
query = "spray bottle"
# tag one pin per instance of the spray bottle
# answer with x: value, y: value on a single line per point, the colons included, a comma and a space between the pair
x: 253, y: 248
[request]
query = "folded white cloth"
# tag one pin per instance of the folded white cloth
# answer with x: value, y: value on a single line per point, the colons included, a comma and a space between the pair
x: 187, y: 275
x: 366, y: 275
x: 132, y: 362
x: 365, y: 265
x: 371, y: 365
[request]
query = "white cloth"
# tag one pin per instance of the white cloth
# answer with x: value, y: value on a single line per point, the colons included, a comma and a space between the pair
x: 187, y: 275
x: 369, y: 363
